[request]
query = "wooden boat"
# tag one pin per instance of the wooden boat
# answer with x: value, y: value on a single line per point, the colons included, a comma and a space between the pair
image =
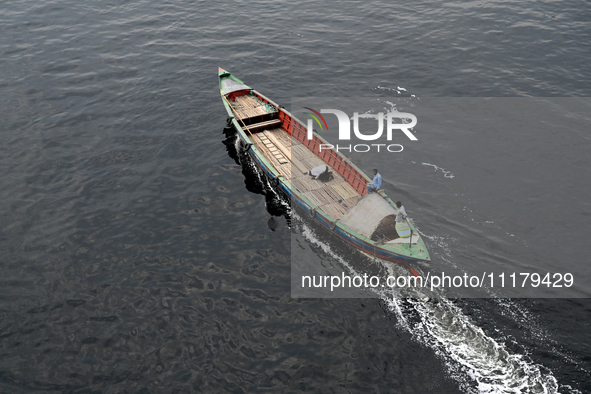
x: 278, y: 143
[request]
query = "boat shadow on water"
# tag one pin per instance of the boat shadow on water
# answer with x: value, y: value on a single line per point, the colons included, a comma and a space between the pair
x: 255, y: 182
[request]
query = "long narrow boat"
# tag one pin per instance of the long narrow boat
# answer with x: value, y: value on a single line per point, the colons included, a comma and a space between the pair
x: 279, y: 144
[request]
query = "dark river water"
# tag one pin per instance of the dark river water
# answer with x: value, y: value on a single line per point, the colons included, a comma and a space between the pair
x: 137, y: 254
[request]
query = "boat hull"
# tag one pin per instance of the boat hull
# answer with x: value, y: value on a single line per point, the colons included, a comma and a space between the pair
x: 356, y: 240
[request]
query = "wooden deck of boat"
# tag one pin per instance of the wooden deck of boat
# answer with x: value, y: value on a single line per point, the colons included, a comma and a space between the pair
x: 248, y: 106
x: 292, y: 159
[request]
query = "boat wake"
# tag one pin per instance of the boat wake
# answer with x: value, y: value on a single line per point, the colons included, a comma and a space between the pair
x: 478, y: 362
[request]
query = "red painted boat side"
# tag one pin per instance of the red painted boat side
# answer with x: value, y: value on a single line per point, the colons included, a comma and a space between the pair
x: 339, y: 163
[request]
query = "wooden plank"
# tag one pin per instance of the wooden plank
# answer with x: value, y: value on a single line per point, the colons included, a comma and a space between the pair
x: 297, y: 164
x: 281, y: 159
x: 312, y: 197
x: 279, y: 144
x: 345, y: 190
x: 263, y: 124
x: 272, y: 148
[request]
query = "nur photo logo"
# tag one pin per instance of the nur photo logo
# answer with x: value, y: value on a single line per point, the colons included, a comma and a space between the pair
x: 407, y: 122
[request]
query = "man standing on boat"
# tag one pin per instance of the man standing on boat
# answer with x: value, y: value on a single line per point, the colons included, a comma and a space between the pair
x: 376, y: 184
x: 401, y: 215
x: 402, y: 226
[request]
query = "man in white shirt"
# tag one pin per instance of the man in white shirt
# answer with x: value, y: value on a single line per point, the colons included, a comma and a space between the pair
x: 320, y: 173
x: 401, y: 215
x: 402, y: 225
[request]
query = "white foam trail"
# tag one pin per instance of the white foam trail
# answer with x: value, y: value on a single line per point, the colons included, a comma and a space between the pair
x: 475, y: 360
x: 446, y: 174
x: 466, y: 348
